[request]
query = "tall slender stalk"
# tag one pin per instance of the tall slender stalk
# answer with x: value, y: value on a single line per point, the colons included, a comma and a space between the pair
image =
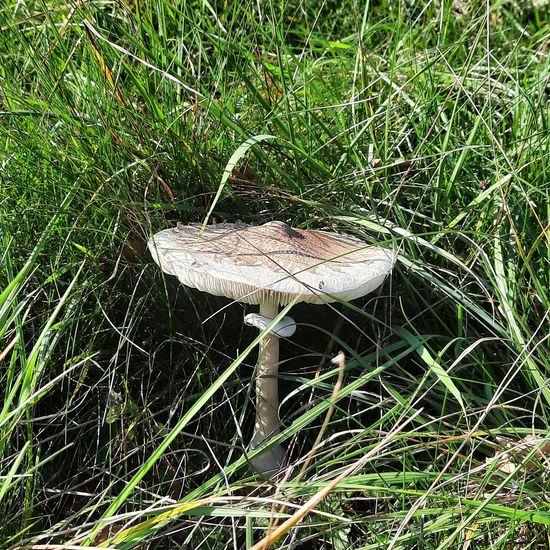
x: 267, y: 422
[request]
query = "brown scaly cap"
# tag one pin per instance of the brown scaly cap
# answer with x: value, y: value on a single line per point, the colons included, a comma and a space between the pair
x: 271, y: 263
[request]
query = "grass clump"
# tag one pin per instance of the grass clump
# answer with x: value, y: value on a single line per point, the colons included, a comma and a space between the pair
x: 420, y: 125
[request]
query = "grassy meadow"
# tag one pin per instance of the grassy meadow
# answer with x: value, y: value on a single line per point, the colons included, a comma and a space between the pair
x: 127, y: 399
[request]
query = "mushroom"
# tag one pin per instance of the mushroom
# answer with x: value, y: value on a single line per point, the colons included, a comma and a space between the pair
x: 270, y: 265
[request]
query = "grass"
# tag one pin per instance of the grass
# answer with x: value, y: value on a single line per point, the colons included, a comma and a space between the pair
x: 423, y: 126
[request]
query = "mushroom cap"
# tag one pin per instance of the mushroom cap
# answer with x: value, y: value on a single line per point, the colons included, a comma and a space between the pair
x: 271, y: 263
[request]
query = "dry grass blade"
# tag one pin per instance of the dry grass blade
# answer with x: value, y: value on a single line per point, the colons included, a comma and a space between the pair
x: 304, y: 510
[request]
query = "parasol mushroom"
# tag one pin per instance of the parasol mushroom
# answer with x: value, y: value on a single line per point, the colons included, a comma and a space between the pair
x: 270, y: 265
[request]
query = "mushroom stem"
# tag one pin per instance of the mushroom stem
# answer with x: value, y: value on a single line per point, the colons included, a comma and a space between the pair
x: 267, y: 399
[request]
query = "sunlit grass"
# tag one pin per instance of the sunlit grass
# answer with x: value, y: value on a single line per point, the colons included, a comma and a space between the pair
x: 127, y: 399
